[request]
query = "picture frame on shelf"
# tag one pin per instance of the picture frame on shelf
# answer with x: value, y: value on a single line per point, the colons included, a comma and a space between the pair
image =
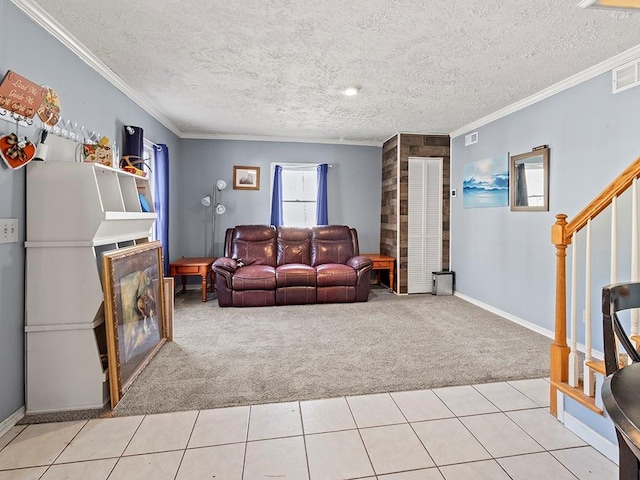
x: 135, y: 318
x: 246, y: 178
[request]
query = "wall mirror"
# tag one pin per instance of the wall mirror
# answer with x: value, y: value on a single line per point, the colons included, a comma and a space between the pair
x: 529, y: 181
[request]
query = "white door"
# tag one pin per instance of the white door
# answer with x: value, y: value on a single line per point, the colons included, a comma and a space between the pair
x: 425, y: 223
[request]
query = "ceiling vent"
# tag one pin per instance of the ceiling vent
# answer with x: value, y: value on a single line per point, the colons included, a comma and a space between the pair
x: 626, y: 76
x: 470, y: 139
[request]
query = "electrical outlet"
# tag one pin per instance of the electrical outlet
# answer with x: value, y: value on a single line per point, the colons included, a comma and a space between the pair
x: 8, y: 230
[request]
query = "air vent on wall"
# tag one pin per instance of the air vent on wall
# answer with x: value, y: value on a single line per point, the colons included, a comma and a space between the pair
x: 470, y: 139
x: 626, y: 76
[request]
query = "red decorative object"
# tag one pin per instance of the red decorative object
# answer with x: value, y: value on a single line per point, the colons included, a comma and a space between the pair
x: 16, y: 152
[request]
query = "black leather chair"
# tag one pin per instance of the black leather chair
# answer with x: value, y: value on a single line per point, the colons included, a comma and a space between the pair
x: 620, y: 390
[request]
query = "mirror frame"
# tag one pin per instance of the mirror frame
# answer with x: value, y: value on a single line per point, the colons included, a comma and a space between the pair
x: 536, y: 152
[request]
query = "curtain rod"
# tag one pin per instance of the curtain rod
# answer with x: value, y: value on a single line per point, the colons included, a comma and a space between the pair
x: 300, y: 165
x: 149, y: 142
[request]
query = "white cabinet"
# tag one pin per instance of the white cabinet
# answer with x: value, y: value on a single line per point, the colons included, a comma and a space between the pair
x: 75, y: 212
x: 424, y: 223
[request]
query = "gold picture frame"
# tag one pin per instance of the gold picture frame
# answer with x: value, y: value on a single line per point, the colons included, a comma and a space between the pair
x: 135, y: 319
x: 246, y: 178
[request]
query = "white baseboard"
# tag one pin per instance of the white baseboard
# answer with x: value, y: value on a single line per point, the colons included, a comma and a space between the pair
x: 593, y: 438
x: 520, y: 321
x: 9, y: 422
x: 508, y: 316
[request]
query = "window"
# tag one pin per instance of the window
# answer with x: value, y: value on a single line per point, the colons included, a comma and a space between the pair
x: 149, y: 160
x: 299, y: 195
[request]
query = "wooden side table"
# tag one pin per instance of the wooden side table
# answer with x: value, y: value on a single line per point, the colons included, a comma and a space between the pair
x: 194, y: 266
x: 382, y: 262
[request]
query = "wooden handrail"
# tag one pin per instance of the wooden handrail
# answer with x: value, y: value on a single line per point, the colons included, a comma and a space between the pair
x: 602, y: 201
x: 561, y: 236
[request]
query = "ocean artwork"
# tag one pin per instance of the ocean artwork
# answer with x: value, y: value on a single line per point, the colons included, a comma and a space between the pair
x: 486, y: 182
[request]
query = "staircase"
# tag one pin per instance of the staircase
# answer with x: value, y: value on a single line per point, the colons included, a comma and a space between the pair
x: 584, y: 236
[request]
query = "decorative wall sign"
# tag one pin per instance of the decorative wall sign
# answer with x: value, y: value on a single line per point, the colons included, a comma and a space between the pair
x: 49, y: 111
x: 486, y: 182
x: 20, y: 95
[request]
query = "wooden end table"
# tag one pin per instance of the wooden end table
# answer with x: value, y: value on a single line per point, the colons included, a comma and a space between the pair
x: 194, y: 266
x: 382, y: 262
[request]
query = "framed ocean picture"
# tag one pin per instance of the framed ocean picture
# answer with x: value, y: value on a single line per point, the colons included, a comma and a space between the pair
x: 486, y: 182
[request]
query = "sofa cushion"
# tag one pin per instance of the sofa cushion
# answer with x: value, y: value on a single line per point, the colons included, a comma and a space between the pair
x: 254, y: 277
x: 254, y: 298
x: 295, y: 295
x: 336, y: 294
x: 331, y: 244
x: 294, y: 245
x: 295, y: 275
x: 335, y: 275
x: 254, y: 244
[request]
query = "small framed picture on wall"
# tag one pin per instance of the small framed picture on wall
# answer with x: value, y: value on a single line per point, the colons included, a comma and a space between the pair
x: 246, y: 178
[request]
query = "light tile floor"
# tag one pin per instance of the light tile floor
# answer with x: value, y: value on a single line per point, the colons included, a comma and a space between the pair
x: 482, y: 432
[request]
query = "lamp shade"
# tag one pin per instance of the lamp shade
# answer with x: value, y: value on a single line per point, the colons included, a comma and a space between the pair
x: 220, y: 209
x: 221, y: 184
x: 206, y: 201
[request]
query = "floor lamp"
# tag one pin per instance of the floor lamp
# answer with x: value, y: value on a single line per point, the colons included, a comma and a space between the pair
x: 218, y: 209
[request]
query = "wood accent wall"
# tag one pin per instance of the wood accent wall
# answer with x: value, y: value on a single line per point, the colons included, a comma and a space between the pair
x: 395, y: 202
x: 389, y: 207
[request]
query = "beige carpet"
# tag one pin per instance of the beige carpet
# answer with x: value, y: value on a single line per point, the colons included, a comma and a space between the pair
x: 238, y: 356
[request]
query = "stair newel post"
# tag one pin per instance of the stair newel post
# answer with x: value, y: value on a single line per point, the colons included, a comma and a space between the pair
x: 559, y: 348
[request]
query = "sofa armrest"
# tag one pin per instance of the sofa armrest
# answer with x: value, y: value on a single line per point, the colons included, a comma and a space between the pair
x: 225, y: 268
x: 225, y: 264
x: 359, y: 262
x: 362, y: 266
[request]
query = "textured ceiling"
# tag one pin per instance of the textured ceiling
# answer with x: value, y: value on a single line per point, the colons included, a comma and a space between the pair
x: 276, y: 67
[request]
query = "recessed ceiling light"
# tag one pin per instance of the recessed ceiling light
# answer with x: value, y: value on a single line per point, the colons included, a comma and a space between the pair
x: 351, y: 91
x: 611, y: 4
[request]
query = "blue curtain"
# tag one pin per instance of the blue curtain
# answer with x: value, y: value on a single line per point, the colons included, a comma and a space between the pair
x: 276, y: 200
x: 322, y: 211
x: 161, y: 201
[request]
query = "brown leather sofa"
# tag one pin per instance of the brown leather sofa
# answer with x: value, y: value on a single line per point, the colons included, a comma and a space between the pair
x: 264, y: 265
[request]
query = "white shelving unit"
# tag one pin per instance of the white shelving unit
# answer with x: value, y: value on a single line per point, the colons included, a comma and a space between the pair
x: 75, y: 212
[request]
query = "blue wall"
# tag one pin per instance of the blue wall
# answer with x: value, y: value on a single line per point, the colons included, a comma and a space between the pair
x: 505, y: 259
x: 354, y: 187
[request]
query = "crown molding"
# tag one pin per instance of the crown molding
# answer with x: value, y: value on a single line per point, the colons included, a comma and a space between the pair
x: 588, y: 74
x: 434, y: 134
x: 46, y: 21
x: 397, y: 134
x: 257, y: 138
